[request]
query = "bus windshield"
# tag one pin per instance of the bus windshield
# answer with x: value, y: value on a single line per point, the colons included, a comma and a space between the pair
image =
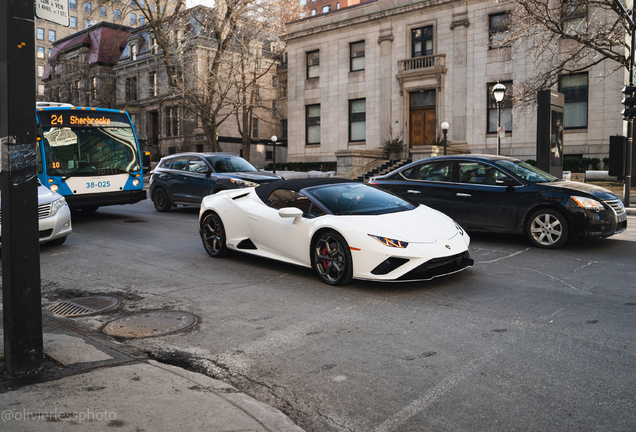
x: 90, y: 151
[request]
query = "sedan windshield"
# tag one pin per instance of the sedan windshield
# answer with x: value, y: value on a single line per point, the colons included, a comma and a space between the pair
x: 230, y: 164
x: 526, y: 171
x: 359, y: 199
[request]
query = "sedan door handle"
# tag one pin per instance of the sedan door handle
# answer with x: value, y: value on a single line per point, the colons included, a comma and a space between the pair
x: 411, y: 191
x: 459, y: 194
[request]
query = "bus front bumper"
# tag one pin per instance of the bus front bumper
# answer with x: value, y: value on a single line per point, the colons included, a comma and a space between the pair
x: 105, y: 199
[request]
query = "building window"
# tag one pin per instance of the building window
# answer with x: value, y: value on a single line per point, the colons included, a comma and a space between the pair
x: 326, y: 9
x: 172, y: 121
x: 40, y: 71
x: 72, y: 4
x: 422, y: 41
x: 152, y: 83
x: 117, y: 14
x: 153, y: 7
x: 40, y: 33
x: 131, y: 89
x: 141, y: 20
x: 338, y: 5
x: 313, y: 64
x: 132, y: 3
x: 506, y: 108
x: 51, y: 35
x: 356, y: 52
x: 50, y: 51
x: 357, y: 120
x: 41, y: 52
x: 87, y: 7
x: 575, y: 90
x: 133, y: 18
x: 133, y: 52
x: 303, y: 2
x: 73, y: 22
x: 313, y: 12
x: 574, y: 17
x: 499, y: 30
x: 93, y: 88
x: 102, y: 11
x: 312, y: 123
x: 41, y: 89
x: 283, y: 128
x: 254, y: 128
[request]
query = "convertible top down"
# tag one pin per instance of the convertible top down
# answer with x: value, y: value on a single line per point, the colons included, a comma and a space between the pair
x: 342, y: 229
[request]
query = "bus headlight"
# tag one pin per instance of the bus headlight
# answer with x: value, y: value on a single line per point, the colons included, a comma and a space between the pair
x: 56, y: 205
x: 54, y: 188
x: 135, y: 182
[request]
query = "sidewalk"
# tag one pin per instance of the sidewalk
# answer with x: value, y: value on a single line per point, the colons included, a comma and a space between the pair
x: 90, y: 382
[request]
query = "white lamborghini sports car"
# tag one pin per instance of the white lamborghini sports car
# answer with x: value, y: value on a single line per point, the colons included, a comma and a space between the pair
x: 342, y: 229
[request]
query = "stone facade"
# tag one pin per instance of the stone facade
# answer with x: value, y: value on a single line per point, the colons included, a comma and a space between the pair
x: 453, y: 77
x: 83, y: 17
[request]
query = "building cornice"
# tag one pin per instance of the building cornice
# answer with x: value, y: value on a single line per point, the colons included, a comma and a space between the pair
x: 372, y: 16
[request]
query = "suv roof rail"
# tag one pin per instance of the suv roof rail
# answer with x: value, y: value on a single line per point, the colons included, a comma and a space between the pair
x: 52, y: 104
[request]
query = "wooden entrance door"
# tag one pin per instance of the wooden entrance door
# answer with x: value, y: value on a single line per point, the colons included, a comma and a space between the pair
x: 422, y: 127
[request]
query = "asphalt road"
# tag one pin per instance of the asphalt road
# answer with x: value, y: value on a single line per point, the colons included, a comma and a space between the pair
x: 528, y: 339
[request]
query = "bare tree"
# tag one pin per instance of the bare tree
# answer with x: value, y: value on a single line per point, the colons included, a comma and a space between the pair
x: 562, y: 37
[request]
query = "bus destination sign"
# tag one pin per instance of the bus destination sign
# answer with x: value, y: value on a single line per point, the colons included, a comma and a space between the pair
x: 77, y: 118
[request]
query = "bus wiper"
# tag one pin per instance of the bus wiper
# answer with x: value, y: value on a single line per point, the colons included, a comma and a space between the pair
x: 76, y: 172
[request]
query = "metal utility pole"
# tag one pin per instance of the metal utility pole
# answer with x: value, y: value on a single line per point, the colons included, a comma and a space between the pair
x: 630, y: 122
x: 22, y: 306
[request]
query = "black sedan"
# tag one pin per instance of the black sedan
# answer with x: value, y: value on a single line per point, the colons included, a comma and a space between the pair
x: 186, y: 178
x: 507, y: 195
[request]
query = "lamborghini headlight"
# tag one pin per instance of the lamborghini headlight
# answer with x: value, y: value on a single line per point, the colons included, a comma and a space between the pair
x: 587, y: 203
x: 243, y: 183
x: 390, y: 242
x: 56, y: 205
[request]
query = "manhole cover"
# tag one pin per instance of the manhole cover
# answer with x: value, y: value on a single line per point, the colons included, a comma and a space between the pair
x: 84, y: 306
x: 150, y: 324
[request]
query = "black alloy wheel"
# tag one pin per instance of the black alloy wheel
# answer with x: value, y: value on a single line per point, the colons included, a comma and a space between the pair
x: 547, y: 228
x: 331, y: 258
x: 213, y: 236
x: 161, y: 200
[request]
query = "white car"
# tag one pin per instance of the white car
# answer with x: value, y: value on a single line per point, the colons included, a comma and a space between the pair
x: 342, y: 229
x: 54, y: 217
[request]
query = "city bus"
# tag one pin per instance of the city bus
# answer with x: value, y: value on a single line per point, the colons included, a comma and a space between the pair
x: 91, y: 156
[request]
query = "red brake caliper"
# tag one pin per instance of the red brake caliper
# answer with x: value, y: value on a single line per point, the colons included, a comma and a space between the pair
x: 324, y: 262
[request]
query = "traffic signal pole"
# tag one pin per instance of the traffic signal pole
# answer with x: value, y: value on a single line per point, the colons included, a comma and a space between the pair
x: 629, y: 101
x: 22, y: 305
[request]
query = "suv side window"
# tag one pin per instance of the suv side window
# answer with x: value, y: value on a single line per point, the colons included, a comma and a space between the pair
x: 196, y: 163
x: 179, y: 163
x: 432, y: 171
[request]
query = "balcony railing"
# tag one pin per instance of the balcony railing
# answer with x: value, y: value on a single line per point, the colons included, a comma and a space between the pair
x: 424, y: 62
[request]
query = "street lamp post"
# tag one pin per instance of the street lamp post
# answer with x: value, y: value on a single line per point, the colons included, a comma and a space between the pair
x: 445, y: 131
x: 274, y: 139
x: 499, y: 92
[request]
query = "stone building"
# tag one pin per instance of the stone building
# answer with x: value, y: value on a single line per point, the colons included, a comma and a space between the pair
x: 84, y: 14
x: 161, y: 117
x: 398, y: 68
x: 80, y: 67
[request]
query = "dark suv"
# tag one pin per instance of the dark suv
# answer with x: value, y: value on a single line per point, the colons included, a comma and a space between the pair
x: 186, y: 178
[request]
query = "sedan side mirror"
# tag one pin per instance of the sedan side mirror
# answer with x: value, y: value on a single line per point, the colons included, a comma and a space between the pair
x: 290, y: 212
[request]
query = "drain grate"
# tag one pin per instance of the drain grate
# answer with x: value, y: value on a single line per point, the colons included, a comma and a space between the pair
x: 150, y: 324
x: 84, y: 306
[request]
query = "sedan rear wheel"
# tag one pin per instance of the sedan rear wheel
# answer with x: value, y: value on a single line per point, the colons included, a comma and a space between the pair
x: 331, y: 258
x: 547, y: 228
x: 213, y: 236
x: 161, y: 200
